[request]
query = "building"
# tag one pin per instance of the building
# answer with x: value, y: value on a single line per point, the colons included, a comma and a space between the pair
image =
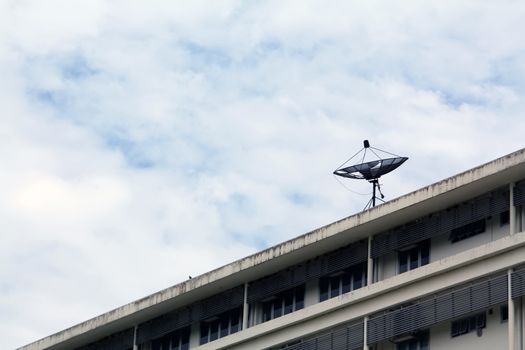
x: 439, y: 268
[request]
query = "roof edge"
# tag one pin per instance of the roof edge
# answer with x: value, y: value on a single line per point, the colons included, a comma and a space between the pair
x: 410, y: 199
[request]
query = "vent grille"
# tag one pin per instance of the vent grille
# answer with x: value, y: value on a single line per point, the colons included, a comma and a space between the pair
x: 118, y: 341
x: 440, y: 223
x: 518, y: 283
x: 519, y: 193
x: 424, y: 314
x: 341, y: 338
x: 180, y: 318
x: 292, y: 277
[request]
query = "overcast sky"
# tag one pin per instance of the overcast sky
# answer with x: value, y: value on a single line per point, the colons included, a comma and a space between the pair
x: 142, y: 142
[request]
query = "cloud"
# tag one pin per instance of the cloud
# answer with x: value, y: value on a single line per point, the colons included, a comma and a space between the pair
x: 145, y: 143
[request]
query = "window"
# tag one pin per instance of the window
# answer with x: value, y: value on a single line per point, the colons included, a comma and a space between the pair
x: 342, y: 282
x: 468, y: 324
x: 504, y: 218
x: 291, y: 344
x: 178, y: 340
x: 220, y: 326
x: 414, y: 257
x: 504, y: 313
x: 284, y: 303
x: 420, y: 342
x: 466, y: 231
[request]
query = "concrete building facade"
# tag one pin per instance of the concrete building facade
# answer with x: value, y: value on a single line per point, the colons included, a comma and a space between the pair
x: 442, y: 267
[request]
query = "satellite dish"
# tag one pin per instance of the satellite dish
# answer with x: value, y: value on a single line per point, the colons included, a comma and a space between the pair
x: 371, y: 170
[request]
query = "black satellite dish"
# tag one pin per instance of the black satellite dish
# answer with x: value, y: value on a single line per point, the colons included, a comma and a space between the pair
x: 371, y: 171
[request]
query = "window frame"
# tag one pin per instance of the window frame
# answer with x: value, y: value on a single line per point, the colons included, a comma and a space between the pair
x: 475, y: 322
x: 297, y: 303
x: 504, y: 313
x: 413, y: 257
x: 220, y: 326
x: 469, y: 230
x: 421, y: 341
x: 167, y: 342
x: 342, y: 282
x: 504, y: 218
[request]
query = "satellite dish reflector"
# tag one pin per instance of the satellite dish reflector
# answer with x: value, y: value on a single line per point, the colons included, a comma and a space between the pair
x: 371, y: 170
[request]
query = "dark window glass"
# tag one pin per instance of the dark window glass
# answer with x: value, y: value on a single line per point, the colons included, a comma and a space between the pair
x: 185, y: 339
x: 204, y: 332
x: 414, y: 258
x: 284, y: 303
x: 277, y: 307
x: 175, y: 341
x: 267, y: 311
x: 425, y: 252
x: 156, y: 344
x: 466, y: 231
x: 504, y: 218
x: 358, y: 279
x: 347, y: 280
x: 481, y: 320
x: 288, y: 301
x: 472, y: 323
x: 504, y: 313
x: 299, y: 297
x: 465, y: 325
x: 224, y: 327
x: 343, y: 282
x: 454, y: 329
x: 334, y: 286
x: 424, y: 344
x: 235, y: 320
x: 403, y: 262
x: 214, y: 330
x: 419, y: 343
x: 323, y: 288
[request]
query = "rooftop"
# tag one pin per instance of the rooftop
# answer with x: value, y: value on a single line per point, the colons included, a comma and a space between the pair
x: 400, y: 210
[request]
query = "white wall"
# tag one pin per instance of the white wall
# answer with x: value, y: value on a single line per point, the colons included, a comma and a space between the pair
x: 441, y: 247
x: 519, y: 219
x: 494, y: 336
x: 195, y: 335
x: 388, y: 266
x: 311, y: 292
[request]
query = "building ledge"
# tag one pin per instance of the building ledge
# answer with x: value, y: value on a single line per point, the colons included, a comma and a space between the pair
x: 395, y: 212
x: 362, y: 302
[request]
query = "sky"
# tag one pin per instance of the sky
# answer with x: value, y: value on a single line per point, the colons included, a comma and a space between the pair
x: 145, y: 141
